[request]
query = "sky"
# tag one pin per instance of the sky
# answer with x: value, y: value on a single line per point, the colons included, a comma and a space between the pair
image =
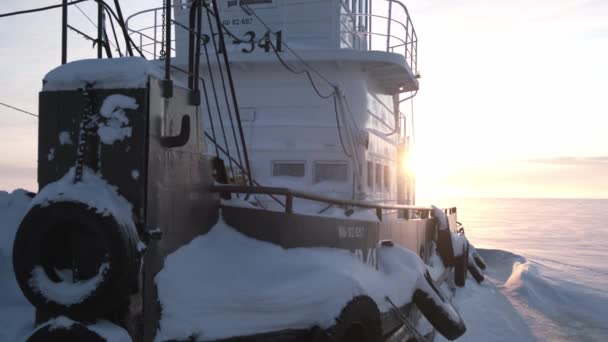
x: 511, y: 100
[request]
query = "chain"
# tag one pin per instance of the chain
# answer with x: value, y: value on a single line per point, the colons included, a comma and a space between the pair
x: 163, y: 33
x: 87, y: 123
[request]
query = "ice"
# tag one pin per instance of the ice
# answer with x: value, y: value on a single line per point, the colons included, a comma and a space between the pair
x: 115, y: 128
x: 119, y: 73
x: 93, y: 191
x: 66, y: 293
x: 242, y: 286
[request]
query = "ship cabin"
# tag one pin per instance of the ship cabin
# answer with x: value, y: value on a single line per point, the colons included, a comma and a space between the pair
x: 321, y: 85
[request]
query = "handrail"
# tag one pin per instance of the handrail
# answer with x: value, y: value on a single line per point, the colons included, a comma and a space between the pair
x: 290, y: 194
x: 357, y: 28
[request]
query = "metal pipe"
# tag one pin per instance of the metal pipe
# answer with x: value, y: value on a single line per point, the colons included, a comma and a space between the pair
x: 121, y: 23
x: 388, y: 33
x: 64, y: 32
x: 168, y: 41
x: 232, y: 88
x: 99, y: 29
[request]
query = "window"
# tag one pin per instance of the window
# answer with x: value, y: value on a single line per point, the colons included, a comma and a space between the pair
x: 331, y: 171
x: 236, y: 3
x: 379, y: 176
x: 387, y: 177
x: 370, y: 175
x: 289, y: 169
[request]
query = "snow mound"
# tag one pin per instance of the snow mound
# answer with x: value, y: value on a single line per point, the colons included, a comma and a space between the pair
x: 92, y: 191
x: 16, y: 313
x: 231, y: 285
x: 127, y: 72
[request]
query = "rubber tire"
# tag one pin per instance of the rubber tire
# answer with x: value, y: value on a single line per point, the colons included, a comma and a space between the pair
x: 77, y: 332
x: 41, y: 224
x: 445, y: 247
x: 476, y: 273
x: 426, y: 297
x: 359, y: 321
x: 479, y: 261
x: 461, y: 267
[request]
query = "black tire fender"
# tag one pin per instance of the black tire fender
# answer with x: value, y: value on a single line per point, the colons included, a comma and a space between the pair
x: 75, y: 332
x: 461, y: 265
x: 475, y: 271
x: 359, y: 321
x: 445, y: 247
x: 72, y: 236
x: 437, y: 309
x: 481, y: 264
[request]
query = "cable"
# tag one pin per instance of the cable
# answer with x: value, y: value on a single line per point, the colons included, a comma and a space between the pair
x: 339, y: 129
x: 314, y: 86
x: 40, y: 9
x: 18, y: 109
x: 290, y: 49
x: 83, y: 13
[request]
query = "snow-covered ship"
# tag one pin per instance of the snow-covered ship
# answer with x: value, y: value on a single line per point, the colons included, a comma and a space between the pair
x: 248, y: 180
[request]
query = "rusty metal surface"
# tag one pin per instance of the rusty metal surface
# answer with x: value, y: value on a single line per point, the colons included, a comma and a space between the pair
x: 297, y: 230
x: 179, y: 202
x: 60, y: 111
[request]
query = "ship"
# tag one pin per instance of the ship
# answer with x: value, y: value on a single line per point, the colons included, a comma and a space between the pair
x: 239, y: 170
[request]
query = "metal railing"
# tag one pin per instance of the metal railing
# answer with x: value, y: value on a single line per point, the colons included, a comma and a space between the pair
x: 149, y: 38
x: 394, y: 35
x: 406, y: 211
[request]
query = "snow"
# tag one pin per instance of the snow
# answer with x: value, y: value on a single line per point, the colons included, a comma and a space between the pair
x: 16, y: 313
x: 65, y: 138
x: 110, y: 331
x: 65, y: 292
x: 459, y: 241
x: 119, y: 73
x: 115, y: 128
x: 241, y: 286
x: 92, y: 191
x: 441, y: 217
x: 51, y: 155
x: 58, y: 322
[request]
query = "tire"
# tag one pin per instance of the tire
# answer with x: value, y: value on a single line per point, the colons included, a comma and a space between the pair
x: 477, y: 258
x: 434, y: 305
x: 74, y: 333
x: 96, y: 249
x: 476, y: 272
x: 359, y: 321
x: 479, y: 262
x: 461, y: 267
x: 445, y: 247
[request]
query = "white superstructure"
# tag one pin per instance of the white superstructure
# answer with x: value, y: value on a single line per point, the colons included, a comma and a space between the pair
x: 347, y: 137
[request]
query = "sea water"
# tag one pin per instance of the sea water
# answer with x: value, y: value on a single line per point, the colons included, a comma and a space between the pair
x: 547, y: 276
